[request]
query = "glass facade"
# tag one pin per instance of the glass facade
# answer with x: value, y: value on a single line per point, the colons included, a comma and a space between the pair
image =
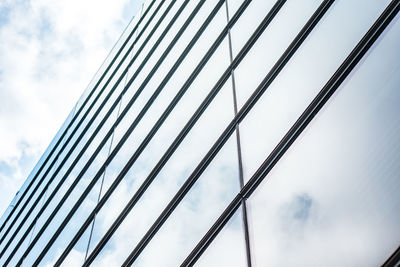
x: 226, y: 133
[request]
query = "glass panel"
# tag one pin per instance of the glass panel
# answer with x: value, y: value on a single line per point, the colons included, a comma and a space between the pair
x: 37, y: 177
x: 156, y: 79
x: 156, y: 148
x: 24, y: 245
x: 76, y: 169
x: 110, y: 57
x: 171, y: 127
x: 228, y: 248
x: 77, y: 255
x: 301, y: 79
x: 8, y: 245
x: 24, y: 212
x: 171, y: 177
x: 67, y: 205
x: 271, y: 44
x: 91, y: 148
x: 123, y: 37
x: 198, y: 210
x: 333, y: 199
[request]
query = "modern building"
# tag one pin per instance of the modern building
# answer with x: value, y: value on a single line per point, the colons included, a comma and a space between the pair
x: 226, y: 133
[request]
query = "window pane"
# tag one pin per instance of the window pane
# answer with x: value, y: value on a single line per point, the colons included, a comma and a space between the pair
x: 197, y: 211
x: 308, y: 70
x: 333, y: 199
x: 270, y: 45
x: 228, y: 248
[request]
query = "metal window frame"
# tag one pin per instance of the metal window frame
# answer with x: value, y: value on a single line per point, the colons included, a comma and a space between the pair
x: 152, y: 132
x: 104, y: 141
x: 233, y: 127
x: 169, y: 75
x: 142, y: 113
x: 74, y: 118
x: 245, y: 221
x: 81, y: 152
x: 393, y: 260
x: 294, y: 132
x: 224, y: 137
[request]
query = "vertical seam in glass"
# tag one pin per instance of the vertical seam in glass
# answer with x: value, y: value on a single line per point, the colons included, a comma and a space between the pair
x: 155, y: 129
x: 169, y: 75
x: 239, y: 149
x: 93, y: 135
x: 72, y: 148
x: 195, y: 174
x: 302, y: 122
x: 109, y: 150
x: 134, y: 124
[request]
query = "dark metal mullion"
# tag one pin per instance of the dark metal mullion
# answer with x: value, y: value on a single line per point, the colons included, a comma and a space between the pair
x: 77, y: 204
x: 75, y: 116
x: 108, y: 154
x: 103, y: 120
x: 239, y: 152
x: 147, y: 106
x: 76, y: 141
x: 302, y: 122
x: 105, y: 170
x: 173, y: 42
x: 126, y: 135
x: 105, y: 139
x: 102, y: 181
x: 148, y: 138
x: 161, y: 219
x: 43, y: 201
x: 393, y: 259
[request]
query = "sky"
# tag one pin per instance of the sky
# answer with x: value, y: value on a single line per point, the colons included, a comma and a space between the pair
x: 49, y: 51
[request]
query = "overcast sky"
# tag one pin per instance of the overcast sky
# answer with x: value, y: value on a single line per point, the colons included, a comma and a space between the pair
x: 49, y: 51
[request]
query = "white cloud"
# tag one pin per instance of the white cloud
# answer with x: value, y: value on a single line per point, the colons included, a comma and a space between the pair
x: 49, y: 51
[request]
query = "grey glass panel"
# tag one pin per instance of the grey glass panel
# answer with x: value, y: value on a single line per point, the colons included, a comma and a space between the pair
x: 24, y: 245
x: 77, y: 255
x: 160, y: 73
x: 76, y: 151
x: 333, y: 198
x: 228, y: 248
x: 132, y: 23
x: 177, y: 118
x: 150, y: 156
x: 67, y: 205
x: 109, y: 58
x: 198, y: 210
x: 171, y: 177
x: 300, y: 80
x: 271, y: 44
x: 24, y: 204
x: 25, y: 211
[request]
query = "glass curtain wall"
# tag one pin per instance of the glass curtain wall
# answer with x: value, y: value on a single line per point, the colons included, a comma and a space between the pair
x: 226, y: 133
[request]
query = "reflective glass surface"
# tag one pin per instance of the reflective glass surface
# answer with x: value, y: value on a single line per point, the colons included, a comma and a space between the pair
x: 335, y: 194
x: 164, y: 138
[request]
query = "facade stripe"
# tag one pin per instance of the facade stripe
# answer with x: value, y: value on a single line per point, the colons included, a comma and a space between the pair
x: 306, y: 117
